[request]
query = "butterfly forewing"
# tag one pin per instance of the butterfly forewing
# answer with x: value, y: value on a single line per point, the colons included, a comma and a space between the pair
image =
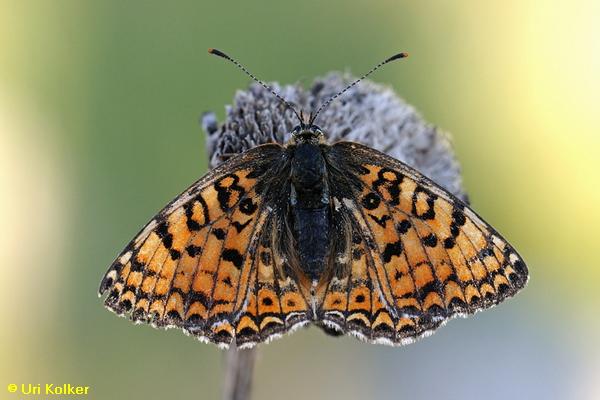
x: 429, y: 256
x: 194, y: 264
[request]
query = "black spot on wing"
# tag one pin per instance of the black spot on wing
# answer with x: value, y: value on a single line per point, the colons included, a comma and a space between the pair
x: 458, y: 217
x: 454, y: 229
x: 430, y: 240
x: 192, y: 225
x: 219, y: 233
x: 175, y: 254
x: 136, y: 266
x: 449, y: 242
x: 380, y: 221
x: 239, y: 227
x: 370, y: 201
x: 392, y: 249
x: 267, y: 301
x: 247, y: 206
x: 193, y: 250
x: 520, y: 267
x: 162, y: 230
x: 233, y: 256
x: 485, y: 252
x: 404, y: 226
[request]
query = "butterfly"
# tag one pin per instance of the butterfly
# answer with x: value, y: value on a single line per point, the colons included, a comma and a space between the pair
x: 338, y: 235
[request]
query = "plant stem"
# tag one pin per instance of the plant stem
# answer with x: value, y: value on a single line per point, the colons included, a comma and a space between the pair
x: 239, y: 369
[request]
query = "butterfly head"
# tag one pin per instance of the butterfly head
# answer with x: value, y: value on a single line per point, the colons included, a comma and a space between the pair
x: 307, y: 133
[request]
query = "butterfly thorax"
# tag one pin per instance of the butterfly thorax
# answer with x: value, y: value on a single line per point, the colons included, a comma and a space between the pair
x: 309, y: 203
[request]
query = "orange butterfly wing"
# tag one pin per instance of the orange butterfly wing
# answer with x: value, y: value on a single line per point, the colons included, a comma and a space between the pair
x: 193, y: 266
x: 275, y: 302
x: 421, y: 254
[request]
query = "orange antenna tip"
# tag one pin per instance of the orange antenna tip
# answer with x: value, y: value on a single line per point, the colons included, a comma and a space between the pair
x: 396, y: 57
x: 218, y: 53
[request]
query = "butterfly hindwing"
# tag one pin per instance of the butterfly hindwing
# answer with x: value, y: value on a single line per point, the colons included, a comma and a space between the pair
x: 364, y: 303
x: 275, y: 304
x: 353, y: 301
x: 430, y: 257
x: 194, y: 265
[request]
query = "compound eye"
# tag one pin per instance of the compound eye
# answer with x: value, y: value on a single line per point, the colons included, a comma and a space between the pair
x: 296, y: 129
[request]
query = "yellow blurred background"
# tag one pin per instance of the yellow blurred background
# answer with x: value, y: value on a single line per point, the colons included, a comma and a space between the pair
x: 99, y: 108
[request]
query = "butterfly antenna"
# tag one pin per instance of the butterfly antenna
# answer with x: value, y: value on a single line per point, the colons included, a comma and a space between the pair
x: 255, y: 79
x: 338, y: 94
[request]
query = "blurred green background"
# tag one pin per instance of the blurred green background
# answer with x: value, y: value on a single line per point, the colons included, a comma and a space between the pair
x: 99, y: 108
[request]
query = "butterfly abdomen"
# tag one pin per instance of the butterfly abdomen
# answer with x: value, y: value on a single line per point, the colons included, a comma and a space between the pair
x: 310, y: 208
x: 311, y: 228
